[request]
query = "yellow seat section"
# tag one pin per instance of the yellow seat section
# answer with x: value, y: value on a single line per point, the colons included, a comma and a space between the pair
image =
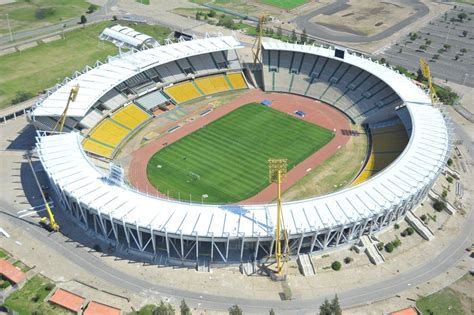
x: 97, y: 148
x: 213, y: 84
x: 237, y: 80
x: 366, y: 172
x: 109, y: 133
x: 183, y: 92
x: 130, y: 116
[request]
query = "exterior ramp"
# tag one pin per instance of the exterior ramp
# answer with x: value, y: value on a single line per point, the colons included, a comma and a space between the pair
x: 371, y: 250
x: 305, y: 265
x: 419, y: 226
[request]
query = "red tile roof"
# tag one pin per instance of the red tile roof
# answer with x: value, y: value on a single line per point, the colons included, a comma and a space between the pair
x: 11, y: 272
x: 68, y: 300
x: 96, y: 308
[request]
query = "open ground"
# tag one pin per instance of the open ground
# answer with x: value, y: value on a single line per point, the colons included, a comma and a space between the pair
x: 317, y: 113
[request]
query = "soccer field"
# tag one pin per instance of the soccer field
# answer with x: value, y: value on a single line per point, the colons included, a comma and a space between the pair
x: 285, y: 4
x: 227, y: 159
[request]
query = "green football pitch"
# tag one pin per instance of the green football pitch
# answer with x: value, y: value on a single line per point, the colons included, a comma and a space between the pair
x: 226, y: 161
x: 285, y: 4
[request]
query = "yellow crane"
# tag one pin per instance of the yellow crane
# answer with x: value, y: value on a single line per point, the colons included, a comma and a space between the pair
x: 52, y: 225
x: 257, y: 45
x: 425, y: 70
x: 62, y: 119
x: 277, y: 169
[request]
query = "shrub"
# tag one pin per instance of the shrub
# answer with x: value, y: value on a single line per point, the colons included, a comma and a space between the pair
x: 83, y: 19
x: 423, y: 217
x: 336, y: 266
x: 396, y: 243
x: 21, y: 96
x: 449, y: 179
x: 410, y: 230
x: 212, y: 13
x: 49, y: 287
x: 396, y: 226
x: 404, y: 233
x: 348, y: 260
x: 235, y: 310
x: 380, y: 245
x: 389, y: 247
x: 439, y: 205
x: 42, y: 13
x: 92, y: 8
x: 444, y: 194
x: 450, y: 162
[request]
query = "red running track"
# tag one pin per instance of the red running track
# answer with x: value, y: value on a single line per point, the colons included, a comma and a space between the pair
x: 316, y: 112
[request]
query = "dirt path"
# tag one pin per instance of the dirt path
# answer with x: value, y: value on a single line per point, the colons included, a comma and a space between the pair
x: 316, y: 112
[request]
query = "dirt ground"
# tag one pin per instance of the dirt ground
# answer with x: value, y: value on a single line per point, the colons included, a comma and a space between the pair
x: 333, y: 174
x: 365, y: 17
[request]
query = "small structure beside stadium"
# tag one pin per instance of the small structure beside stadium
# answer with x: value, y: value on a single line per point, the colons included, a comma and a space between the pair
x: 124, y: 36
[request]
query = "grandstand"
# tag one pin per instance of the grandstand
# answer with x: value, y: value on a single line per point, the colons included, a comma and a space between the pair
x: 110, y: 132
x: 181, y: 232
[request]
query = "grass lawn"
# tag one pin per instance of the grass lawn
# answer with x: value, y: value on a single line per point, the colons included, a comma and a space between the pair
x: 4, y: 283
x: 227, y: 159
x: 285, y: 4
x: 147, y: 2
x: 22, y: 266
x: 4, y: 254
x: 445, y: 301
x: 30, y: 298
x: 24, y: 15
x: 41, y: 67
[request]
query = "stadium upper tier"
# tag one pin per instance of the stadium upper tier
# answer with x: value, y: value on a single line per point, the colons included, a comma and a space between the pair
x: 136, y: 72
x: 230, y: 233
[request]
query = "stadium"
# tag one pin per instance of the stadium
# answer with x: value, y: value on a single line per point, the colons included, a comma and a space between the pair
x: 117, y: 98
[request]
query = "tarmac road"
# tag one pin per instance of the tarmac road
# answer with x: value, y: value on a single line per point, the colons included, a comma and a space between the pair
x: 357, y: 296
x: 303, y: 22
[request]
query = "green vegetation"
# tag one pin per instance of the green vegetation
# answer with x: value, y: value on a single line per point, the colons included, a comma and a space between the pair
x: 285, y: 4
x: 348, y: 260
x: 336, y: 265
x: 4, y: 283
x: 22, y: 266
x: 30, y: 14
x: 439, y: 205
x: 29, y: 299
x: 4, y: 254
x: 29, y: 72
x: 445, y: 301
x: 227, y: 159
x: 330, y: 308
x: 235, y: 310
x: 389, y: 247
x: 160, y: 309
x: 146, y: 2
x: 184, y: 308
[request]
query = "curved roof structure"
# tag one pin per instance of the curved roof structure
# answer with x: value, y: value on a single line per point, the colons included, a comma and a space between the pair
x: 127, y: 36
x: 68, y: 166
x: 95, y: 82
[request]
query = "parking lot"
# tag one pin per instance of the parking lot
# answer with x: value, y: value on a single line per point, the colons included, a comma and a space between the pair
x: 446, y: 42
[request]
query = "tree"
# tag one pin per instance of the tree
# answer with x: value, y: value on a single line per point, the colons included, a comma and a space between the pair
x: 419, y: 76
x: 163, y: 309
x: 235, y: 310
x: 272, y: 312
x: 92, y: 8
x: 279, y: 32
x: 293, y: 37
x: 464, y: 33
x: 330, y: 308
x: 325, y: 308
x: 463, y: 50
x: 258, y: 28
x: 304, y: 37
x: 212, y: 13
x: 389, y: 247
x: 335, y: 307
x: 462, y: 16
x: 83, y: 19
x: 336, y: 265
x: 184, y: 308
x: 198, y: 16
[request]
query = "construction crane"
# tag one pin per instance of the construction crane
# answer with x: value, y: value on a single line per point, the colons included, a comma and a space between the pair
x: 62, y: 119
x: 277, y: 169
x: 257, y: 45
x: 425, y: 70
x: 49, y: 222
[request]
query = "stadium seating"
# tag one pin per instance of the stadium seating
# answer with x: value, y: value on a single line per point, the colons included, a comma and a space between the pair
x: 237, y: 80
x: 387, y: 143
x: 190, y: 90
x: 183, y: 92
x: 130, y: 116
x: 213, y: 84
x: 110, y: 132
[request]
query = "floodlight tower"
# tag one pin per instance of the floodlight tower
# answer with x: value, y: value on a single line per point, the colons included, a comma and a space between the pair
x: 71, y: 98
x: 425, y: 70
x: 257, y: 45
x: 277, y: 169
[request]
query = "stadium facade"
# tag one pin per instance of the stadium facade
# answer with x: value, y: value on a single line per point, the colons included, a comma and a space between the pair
x: 175, y: 232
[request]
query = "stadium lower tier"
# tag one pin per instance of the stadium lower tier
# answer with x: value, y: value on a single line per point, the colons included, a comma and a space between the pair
x: 386, y: 145
x: 110, y: 132
x: 204, y: 86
